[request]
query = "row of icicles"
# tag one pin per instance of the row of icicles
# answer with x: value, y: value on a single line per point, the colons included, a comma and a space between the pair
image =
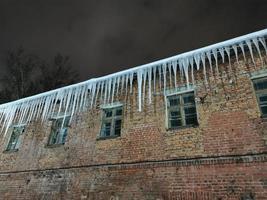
x: 80, y: 97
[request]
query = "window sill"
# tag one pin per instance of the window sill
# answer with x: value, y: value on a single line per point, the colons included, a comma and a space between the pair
x: 10, y: 151
x: 107, y: 137
x: 54, y: 145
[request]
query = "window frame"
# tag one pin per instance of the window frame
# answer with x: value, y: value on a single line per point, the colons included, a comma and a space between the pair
x: 258, y: 93
x: 18, y: 139
x: 113, y: 118
x: 180, y: 93
x: 53, y: 120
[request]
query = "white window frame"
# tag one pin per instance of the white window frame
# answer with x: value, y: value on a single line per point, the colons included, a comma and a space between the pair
x: 54, y: 118
x: 106, y: 107
x: 178, y: 91
x: 19, y: 140
x: 262, y: 74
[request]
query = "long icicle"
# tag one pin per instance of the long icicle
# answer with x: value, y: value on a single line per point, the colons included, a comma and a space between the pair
x: 248, y: 42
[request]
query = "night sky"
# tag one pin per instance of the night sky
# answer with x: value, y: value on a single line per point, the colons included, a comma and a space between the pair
x: 103, y: 37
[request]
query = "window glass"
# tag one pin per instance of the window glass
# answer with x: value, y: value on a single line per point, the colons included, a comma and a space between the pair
x: 15, y: 138
x: 260, y: 86
x: 111, y: 122
x: 181, y: 110
x: 59, y: 131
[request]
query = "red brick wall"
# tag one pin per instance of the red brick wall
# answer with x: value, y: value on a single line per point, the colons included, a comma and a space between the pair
x: 224, y: 178
x: 229, y: 125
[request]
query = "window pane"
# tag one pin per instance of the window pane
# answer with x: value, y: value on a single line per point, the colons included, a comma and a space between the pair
x: 175, y: 114
x: 14, y: 140
x: 119, y: 112
x: 58, y: 132
x: 108, y: 113
x: 175, y: 123
x: 174, y: 101
x: 107, y: 129
x: 189, y: 99
x: 182, y: 114
x: 190, y: 110
x: 263, y: 98
x: 62, y: 136
x: 66, y: 122
x: 264, y: 109
x: 117, y: 130
x: 260, y: 84
x: 191, y: 120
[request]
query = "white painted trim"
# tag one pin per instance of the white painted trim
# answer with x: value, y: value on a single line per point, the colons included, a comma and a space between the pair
x: 18, y: 125
x: 260, y: 74
x: 59, y: 116
x: 111, y: 105
x: 183, y: 90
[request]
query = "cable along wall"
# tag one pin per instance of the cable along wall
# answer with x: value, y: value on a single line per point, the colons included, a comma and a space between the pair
x: 83, y: 96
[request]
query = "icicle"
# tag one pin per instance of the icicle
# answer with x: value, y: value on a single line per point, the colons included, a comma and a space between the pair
x: 227, y: 50
x: 210, y: 62
x: 241, y: 45
x: 203, y: 58
x: 262, y: 40
x: 181, y: 70
x: 131, y: 82
x: 122, y: 84
x: 191, y: 61
x: 144, y: 84
x: 76, y: 93
x: 248, y: 42
x: 215, y: 55
x: 93, y: 93
x: 109, y: 89
x: 160, y: 73
x: 97, y: 93
x: 170, y: 73
x: 197, y: 60
x: 118, y: 86
x: 149, y: 85
x: 164, y: 69
x: 126, y: 85
x: 185, y: 62
x: 221, y: 50
x: 236, y: 53
x: 174, y: 68
x: 256, y: 43
x: 139, y: 84
x: 67, y: 106
x: 154, y: 78
x: 113, y: 89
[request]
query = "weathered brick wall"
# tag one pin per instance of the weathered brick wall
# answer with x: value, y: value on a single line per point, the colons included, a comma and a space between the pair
x: 209, y: 179
x: 229, y: 125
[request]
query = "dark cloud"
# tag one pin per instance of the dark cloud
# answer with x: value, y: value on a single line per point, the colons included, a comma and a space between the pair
x: 107, y: 36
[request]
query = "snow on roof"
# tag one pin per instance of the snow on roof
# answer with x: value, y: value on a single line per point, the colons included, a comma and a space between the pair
x: 81, y: 96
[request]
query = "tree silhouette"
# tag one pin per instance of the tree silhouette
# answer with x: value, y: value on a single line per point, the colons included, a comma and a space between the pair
x: 57, y: 74
x: 27, y: 75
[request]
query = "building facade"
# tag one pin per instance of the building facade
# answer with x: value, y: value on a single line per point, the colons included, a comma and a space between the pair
x: 199, y: 137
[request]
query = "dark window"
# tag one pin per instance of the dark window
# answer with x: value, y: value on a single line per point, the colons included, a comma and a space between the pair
x: 260, y: 86
x: 181, y: 110
x: 59, y: 131
x: 15, y: 138
x: 111, y: 122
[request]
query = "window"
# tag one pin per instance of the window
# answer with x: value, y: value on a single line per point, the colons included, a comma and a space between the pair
x: 181, y: 110
x: 59, y: 130
x: 260, y: 86
x: 111, y: 122
x: 15, y: 138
